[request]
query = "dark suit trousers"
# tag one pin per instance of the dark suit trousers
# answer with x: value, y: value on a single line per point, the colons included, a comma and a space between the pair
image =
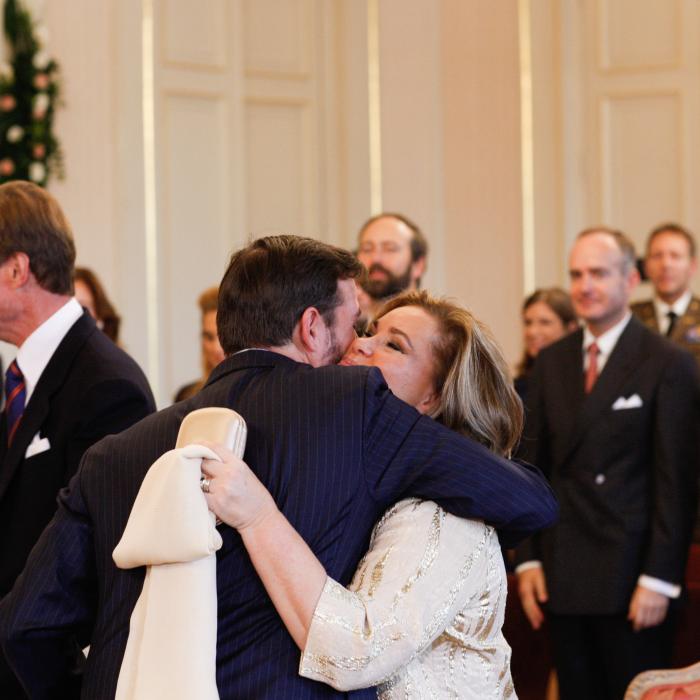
x: 596, y: 656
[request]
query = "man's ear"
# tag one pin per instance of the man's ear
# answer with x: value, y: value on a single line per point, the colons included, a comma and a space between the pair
x: 17, y: 270
x: 418, y: 269
x: 633, y: 278
x: 310, y: 327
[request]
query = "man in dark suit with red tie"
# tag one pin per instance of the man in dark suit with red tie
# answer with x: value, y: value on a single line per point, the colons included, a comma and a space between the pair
x: 332, y: 444
x: 68, y: 387
x: 612, y: 420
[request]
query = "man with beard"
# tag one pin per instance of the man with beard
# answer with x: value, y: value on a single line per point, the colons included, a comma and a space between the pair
x: 394, y: 251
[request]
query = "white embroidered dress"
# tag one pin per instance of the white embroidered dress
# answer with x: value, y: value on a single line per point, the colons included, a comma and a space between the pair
x: 423, y: 615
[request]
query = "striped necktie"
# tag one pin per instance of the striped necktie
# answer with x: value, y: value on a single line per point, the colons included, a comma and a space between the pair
x: 15, y: 396
x: 592, y: 370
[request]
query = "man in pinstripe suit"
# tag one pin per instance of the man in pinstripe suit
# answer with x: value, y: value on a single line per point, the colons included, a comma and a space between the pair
x: 332, y: 444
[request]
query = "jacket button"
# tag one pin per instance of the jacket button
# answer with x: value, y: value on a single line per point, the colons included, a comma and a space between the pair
x: 599, y: 479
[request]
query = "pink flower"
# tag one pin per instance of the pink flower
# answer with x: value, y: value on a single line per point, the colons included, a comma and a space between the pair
x: 7, y: 166
x: 7, y: 103
x: 41, y: 81
x: 39, y: 151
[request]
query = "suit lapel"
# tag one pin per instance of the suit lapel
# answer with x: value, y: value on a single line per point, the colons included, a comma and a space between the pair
x: 623, y: 361
x: 690, y: 318
x: 646, y: 313
x: 37, y: 410
x: 572, y: 379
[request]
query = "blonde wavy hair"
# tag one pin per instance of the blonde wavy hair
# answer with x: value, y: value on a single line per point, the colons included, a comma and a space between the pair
x: 476, y: 391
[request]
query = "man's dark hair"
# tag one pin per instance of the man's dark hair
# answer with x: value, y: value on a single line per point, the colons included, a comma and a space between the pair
x: 271, y: 282
x: 31, y: 222
x: 679, y: 230
x: 419, y: 245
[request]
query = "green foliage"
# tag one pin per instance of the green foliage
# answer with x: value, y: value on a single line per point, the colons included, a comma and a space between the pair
x: 29, y: 94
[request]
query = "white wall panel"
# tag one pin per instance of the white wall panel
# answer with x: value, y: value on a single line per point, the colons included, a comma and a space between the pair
x: 639, y: 34
x: 642, y: 157
x: 278, y: 177
x: 278, y: 37
x: 195, y: 33
x: 194, y: 220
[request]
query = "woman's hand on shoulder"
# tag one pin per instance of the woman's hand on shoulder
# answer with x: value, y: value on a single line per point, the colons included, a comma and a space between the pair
x: 236, y: 496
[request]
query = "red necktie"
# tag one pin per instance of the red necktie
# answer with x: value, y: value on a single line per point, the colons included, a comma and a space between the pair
x: 592, y: 369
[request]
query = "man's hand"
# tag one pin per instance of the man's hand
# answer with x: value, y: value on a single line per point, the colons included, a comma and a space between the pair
x: 533, y: 591
x: 647, y: 608
x: 236, y: 496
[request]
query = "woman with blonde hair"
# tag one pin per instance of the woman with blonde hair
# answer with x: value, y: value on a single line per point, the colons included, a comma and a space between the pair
x: 423, y: 614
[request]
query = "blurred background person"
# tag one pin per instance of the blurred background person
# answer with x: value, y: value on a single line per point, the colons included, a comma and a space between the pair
x: 212, y: 353
x: 394, y: 251
x: 91, y: 295
x: 669, y: 264
x: 674, y: 311
x: 548, y: 315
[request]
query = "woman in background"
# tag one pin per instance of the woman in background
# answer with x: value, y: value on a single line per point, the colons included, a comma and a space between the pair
x: 423, y: 615
x: 548, y: 315
x: 91, y: 295
x: 212, y: 353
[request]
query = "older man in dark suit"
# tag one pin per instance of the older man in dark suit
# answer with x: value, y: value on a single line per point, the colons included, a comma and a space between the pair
x: 68, y: 387
x: 332, y: 445
x: 613, y: 422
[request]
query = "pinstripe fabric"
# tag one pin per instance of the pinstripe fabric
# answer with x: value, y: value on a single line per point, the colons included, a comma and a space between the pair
x: 334, y: 447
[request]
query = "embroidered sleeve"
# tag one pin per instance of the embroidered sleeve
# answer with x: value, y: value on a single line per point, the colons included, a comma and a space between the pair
x: 423, y: 566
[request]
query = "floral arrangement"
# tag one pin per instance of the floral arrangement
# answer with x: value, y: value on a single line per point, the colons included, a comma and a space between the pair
x: 29, y: 93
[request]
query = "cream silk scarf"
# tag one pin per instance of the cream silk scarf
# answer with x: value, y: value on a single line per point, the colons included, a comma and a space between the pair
x: 171, y: 650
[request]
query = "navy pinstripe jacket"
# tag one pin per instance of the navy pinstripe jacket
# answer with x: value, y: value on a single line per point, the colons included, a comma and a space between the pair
x: 334, y: 447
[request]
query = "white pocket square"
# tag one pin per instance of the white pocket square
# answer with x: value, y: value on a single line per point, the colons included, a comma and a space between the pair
x: 623, y: 403
x: 37, y: 446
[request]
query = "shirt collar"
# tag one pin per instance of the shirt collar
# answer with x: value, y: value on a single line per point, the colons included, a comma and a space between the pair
x: 36, y: 351
x: 606, y: 341
x: 678, y: 307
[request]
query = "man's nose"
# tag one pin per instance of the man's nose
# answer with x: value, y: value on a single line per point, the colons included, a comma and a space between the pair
x: 376, y: 256
x: 585, y: 283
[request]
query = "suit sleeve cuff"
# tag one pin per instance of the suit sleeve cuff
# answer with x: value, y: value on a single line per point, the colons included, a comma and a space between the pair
x: 532, y: 564
x: 670, y: 590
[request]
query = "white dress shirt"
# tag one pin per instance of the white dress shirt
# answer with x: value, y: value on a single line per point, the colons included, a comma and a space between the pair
x: 662, y: 309
x: 606, y: 343
x: 38, y: 349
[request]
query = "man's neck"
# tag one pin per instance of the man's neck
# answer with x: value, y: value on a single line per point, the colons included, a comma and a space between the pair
x: 670, y: 299
x: 597, y: 329
x: 39, y: 308
x: 289, y: 350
